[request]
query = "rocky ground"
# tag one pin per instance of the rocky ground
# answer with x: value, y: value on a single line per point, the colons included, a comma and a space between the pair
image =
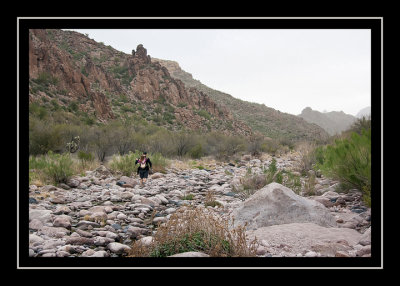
x: 92, y: 216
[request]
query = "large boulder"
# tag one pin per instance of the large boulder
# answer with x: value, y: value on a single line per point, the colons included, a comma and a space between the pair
x: 276, y: 204
x: 303, y: 237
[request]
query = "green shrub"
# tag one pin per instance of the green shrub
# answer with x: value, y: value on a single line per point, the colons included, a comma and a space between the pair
x: 188, y: 197
x: 348, y: 160
x: 196, y: 152
x: 46, y: 79
x: 39, y: 111
x: 85, y: 157
x: 125, y: 164
x: 204, y: 113
x: 58, y: 167
x: 73, y: 106
x: 159, y: 162
x: 43, y: 137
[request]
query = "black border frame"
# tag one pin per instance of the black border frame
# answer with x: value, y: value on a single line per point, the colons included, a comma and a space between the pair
x: 374, y: 24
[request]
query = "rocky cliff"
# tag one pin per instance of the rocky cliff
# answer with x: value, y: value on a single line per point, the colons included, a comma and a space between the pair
x: 260, y: 118
x: 68, y: 69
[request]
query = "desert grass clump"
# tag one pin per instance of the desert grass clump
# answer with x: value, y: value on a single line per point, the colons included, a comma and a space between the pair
x: 210, y: 200
x: 196, y: 229
x: 309, y: 185
x: 188, y: 197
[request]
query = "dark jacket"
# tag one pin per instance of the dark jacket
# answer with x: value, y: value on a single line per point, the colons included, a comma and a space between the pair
x: 148, y: 162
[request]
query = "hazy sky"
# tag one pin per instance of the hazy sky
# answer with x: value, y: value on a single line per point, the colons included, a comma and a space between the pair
x: 288, y: 70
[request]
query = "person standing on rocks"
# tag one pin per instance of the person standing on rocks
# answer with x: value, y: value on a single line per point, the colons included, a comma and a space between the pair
x: 143, y: 169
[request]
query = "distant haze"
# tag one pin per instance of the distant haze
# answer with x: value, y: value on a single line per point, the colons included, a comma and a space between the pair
x: 288, y: 70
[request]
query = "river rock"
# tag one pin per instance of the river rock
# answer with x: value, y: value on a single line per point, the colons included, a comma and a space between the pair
x: 306, y: 236
x: 116, y: 247
x: 62, y: 221
x: 190, y: 254
x: 54, y: 231
x: 41, y: 215
x: 35, y: 224
x: 366, y: 237
x: 276, y: 204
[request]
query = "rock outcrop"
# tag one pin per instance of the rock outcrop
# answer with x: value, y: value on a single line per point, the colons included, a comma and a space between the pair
x: 67, y: 66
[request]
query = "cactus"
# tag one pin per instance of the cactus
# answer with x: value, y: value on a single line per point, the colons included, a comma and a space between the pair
x: 73, y: 146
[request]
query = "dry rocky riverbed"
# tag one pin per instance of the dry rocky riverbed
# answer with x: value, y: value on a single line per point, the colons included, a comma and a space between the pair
x: 92, y: 216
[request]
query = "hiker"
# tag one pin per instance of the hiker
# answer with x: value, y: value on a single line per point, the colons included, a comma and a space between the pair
x: 143, y: 169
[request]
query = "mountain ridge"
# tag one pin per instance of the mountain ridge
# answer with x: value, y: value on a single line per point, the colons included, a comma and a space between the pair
x: 334, y: 122
x: 266, y: 120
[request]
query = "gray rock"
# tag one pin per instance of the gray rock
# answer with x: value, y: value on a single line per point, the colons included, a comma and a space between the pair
x: 100, y: 253
x: 116, y: 247
x: 276, y: 204
x: 366, y: 237
x: 35, y: 224
x: 83, y: 233
x: 303, y: 237
x: 190, y: 254
x: 61, y: 209
x: 102, y: 241
x: 41, y: 215
x: 54, y: 231
x: 62, y: 221
x: 325, y: 201
x: 73, y: 183
x: 79, y: 240
x: 128, y: 180
x: 35, y: 240
x: 83, y: 224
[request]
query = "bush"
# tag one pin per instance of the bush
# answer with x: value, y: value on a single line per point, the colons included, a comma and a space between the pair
x: 159, y: 162
x: 204, y: 113
x: 349, y: 161
x: 196, y: 229
x: 125, y: 164
x: 59, y: 168
x: 43, y: 137
x: 85, y: 157
x: 46, y: 78
x: 196, y: 152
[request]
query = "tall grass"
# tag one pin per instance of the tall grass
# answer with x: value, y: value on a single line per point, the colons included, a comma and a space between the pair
x: 196, y: 229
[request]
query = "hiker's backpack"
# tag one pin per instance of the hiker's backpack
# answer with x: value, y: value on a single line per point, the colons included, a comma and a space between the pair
x: 143, y: 164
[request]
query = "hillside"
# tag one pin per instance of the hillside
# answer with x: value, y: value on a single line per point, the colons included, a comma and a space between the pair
x: 333, y: 122
x: 79, y: 79
x: 266, y: 120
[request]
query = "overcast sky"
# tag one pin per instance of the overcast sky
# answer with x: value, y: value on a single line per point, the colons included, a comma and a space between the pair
x: 288, y: 70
